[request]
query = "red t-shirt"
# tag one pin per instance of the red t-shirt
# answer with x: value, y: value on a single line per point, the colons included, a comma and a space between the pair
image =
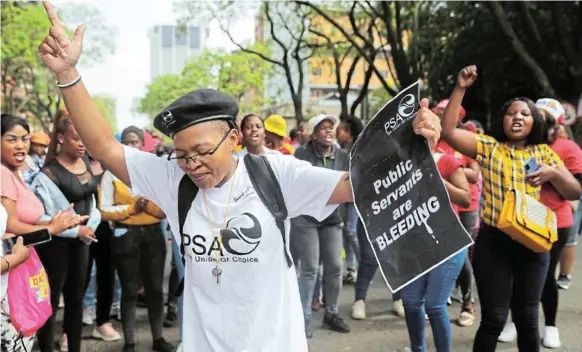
x: 571, y: 155
x: 443, y: 147
x: 447, y: 166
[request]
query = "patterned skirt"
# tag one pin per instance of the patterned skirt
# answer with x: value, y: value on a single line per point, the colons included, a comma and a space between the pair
x: 10, y: 339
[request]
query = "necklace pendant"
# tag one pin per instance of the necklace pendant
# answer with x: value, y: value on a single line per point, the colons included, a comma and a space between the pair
x: 217, y: 272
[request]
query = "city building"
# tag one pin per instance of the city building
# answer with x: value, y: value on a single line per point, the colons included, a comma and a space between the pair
x: 172, y: 46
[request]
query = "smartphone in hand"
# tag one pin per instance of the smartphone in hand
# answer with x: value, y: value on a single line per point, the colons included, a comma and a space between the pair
x: 28, y: 239
x: 531, y: 166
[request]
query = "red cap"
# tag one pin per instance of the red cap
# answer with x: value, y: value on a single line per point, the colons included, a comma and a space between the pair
x: 443, y: 104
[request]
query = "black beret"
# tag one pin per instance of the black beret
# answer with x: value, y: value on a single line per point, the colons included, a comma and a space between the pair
x: 195, y: 107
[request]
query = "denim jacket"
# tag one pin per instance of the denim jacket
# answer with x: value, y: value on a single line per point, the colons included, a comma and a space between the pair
x: 54, y: 201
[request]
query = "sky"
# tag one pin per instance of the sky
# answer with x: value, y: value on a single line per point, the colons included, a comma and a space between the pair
x: 125, y: 74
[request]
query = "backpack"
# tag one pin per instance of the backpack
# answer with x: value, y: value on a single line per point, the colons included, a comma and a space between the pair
x: 265, y: 184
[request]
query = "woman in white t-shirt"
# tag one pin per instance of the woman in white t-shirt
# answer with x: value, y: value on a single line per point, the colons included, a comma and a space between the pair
x: 10, y: 341
x: 253, y: 133
x: 240, y: 293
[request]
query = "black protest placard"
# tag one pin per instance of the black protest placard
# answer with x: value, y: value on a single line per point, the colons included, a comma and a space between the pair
x: 400, y: 196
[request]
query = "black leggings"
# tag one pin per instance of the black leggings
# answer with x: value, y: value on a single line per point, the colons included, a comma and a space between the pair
x: 550, y: 294
x: 508, y: 275
x: 140, y: 255
x: 100, y: 251
x: 65, y: 261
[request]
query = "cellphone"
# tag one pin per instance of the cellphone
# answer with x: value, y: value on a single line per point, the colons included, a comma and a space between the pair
x: 29, y: 239
x: 531, y: 166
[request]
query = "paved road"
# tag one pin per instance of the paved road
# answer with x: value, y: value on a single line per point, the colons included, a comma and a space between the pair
x: 384, y: 332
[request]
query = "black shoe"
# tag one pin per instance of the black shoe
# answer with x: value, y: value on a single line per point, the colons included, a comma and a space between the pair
x: 161, y: 345
x: 171, y: 318
x: 129, y: 347
x: 335, y: 323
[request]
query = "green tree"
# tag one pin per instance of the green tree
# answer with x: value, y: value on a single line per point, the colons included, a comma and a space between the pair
x: 238, y: 74
x: 28, y: 88
x: 520, y: 49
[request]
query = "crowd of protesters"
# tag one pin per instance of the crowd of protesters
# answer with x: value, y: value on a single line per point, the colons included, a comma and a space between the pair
x: 110, y: 245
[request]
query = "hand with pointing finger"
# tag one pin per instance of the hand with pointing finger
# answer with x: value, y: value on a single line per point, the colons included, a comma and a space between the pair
x: 59, y: 52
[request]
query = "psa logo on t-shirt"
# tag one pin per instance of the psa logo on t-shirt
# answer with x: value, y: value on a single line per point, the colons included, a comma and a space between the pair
x: 241, y: 237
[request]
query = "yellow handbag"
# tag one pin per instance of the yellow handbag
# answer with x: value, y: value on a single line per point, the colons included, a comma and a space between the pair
x: 527, y: 221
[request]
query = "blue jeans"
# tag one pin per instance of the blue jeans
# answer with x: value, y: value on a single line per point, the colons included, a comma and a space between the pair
x: 89, y: 298
x: 351, y: 244
x: 368, y: 266
x: 430, y: 293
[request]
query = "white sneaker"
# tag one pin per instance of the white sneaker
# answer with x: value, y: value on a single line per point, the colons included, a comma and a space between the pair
x: 508, y: 334
x: 106, y: 332
x: 87, y: 316
x: 61, y: 302
x: 64, y: 343
x: 398, y: 308
x: 359, y: 310
x: 551, y: 337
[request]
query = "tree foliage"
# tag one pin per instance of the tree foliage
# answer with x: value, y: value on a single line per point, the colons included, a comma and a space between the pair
x: 238, y: 74
x: 28, y: 88
x: 520, y: 49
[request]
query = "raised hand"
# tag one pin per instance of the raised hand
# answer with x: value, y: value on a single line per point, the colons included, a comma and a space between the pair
x: 467, y: 77
x: 59, y: 52
x: 427, y: 124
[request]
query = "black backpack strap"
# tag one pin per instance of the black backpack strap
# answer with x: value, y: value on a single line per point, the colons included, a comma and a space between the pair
x: 187, y: 191
x: 268, y: 189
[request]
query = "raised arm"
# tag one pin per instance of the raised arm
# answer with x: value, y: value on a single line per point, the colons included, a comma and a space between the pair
x: 61, y: 55
x: 459, y: 139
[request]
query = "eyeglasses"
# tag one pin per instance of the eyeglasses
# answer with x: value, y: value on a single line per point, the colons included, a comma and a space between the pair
x: 193, y: 158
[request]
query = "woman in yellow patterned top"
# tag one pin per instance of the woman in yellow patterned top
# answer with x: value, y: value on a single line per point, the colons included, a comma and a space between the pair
x: 507, y: 273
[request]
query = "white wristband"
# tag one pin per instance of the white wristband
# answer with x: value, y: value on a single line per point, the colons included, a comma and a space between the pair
x: 67, y: 85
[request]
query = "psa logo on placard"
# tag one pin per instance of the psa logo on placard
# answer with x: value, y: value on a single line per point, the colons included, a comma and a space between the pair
x: 404, y: 112
x: 241, y: 238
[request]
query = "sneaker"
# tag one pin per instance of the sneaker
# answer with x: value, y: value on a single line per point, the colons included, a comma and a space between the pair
x: 106, y: 332
x: 564, y: 281
x: 551, y: 337
x: 350, y: 277
x: 88, y: 316
x: 171, y: 318
x: 398, y: 308
x: 61, y: 302
x: 467, y: 317
x: 508, y: 334
x: 335, y: 323
x: 308, y: 329
x: 359, y: 310
x: 161, y: 345
x: 115, y: 312
x: 64, y: 343
x: 449, y: 301
x: 129, y: 347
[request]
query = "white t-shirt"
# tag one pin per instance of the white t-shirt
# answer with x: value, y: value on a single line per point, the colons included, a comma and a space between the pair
x: 256, y: 305
x: 4, y: 277
x: 268, y: 151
